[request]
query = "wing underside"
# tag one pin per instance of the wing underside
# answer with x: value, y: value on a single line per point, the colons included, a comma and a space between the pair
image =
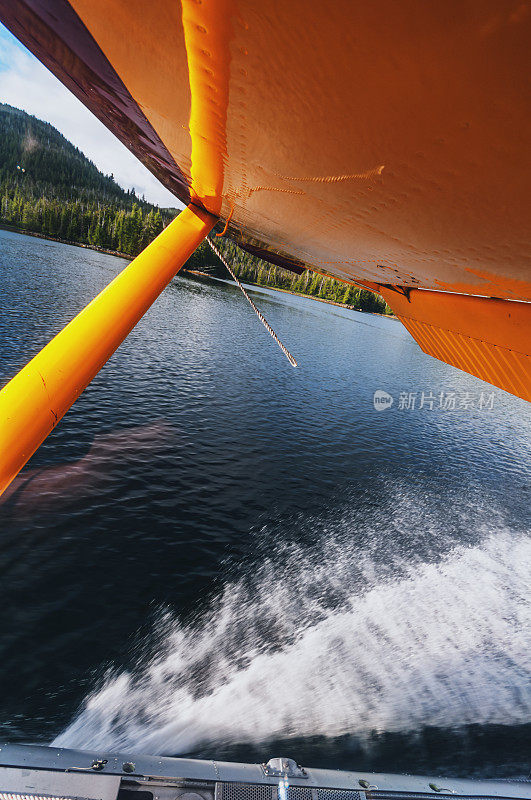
x: 382, y: 143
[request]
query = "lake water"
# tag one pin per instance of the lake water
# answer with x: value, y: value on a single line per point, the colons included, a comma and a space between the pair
x: 219, y: 555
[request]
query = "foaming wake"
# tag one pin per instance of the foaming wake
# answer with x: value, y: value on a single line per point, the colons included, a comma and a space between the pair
x: 320, y: 648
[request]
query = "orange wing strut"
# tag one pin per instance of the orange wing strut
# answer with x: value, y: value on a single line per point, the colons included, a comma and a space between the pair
x: 36, y: 399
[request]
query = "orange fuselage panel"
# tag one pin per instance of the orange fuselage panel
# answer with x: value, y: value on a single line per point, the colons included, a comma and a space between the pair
x: 384, y: 143
x: 381, y: 141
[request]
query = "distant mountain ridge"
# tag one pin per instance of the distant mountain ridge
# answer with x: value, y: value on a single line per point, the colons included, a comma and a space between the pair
x: 48, y: 186
x: 50, y: 159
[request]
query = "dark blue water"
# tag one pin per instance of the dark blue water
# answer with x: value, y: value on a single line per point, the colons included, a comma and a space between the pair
x: 217, y: 554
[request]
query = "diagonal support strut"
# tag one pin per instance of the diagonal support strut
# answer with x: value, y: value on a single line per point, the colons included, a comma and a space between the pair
x: 34, y: 401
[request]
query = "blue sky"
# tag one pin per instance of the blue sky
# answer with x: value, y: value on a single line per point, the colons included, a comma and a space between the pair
x: 27, y: 84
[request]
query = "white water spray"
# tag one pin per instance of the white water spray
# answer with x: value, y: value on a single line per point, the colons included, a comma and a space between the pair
x: 316, y: 648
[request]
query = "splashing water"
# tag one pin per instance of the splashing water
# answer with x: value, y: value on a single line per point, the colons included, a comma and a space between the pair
x: 329, y: 645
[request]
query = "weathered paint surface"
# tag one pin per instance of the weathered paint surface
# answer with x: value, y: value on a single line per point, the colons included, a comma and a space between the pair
x: 382, y: 143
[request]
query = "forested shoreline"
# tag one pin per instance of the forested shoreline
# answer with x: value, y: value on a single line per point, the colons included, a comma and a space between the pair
x: 74, y: 222
x: 250, y: 269
x: 49, y: 188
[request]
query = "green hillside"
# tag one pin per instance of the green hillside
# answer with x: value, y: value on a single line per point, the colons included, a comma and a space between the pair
x: 48, y: 186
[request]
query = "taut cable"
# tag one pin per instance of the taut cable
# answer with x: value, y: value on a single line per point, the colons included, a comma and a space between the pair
x: 258, y: 313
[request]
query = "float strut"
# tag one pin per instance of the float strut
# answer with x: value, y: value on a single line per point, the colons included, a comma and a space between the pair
x: 34, y: 401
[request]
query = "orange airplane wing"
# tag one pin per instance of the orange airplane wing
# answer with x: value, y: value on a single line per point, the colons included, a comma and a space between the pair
x: 382, y: 143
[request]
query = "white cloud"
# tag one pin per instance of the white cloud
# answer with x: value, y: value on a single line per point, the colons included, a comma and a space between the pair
x: 27, y: 84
